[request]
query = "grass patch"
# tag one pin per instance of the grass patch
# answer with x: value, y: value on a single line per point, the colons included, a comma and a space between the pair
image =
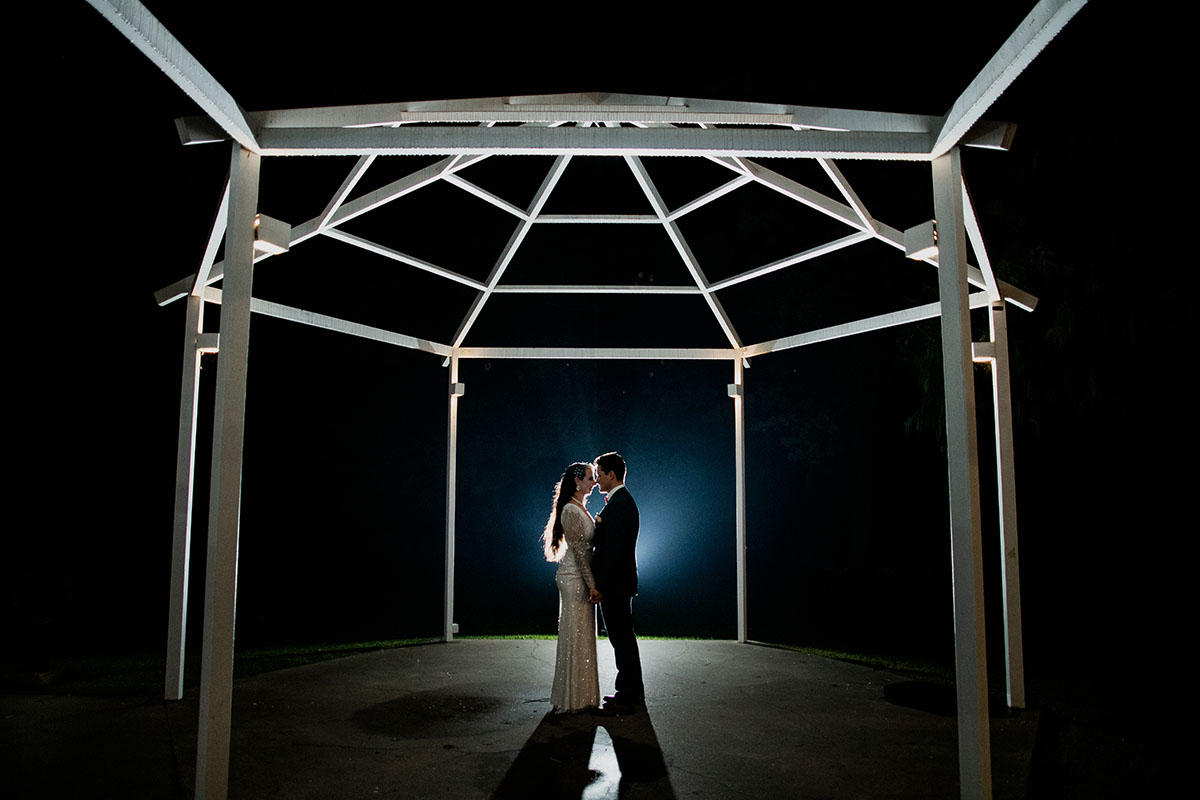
x: 936, y: 673
x: 143, y: 674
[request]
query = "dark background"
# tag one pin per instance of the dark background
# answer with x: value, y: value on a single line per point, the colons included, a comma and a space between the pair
x: 344, y: 477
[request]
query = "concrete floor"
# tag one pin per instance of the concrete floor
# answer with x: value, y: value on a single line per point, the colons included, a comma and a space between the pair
x: 470, y: 720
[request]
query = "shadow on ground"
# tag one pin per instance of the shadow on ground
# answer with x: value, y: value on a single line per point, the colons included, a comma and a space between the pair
x: 579, y: 755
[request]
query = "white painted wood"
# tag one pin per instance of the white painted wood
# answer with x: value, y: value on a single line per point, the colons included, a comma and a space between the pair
x: 970, y: 641
x: 595, y: 141
x: 708, y: 197
x: 185, y: 462
x: 739, y: 460
x: 455, y: 391
x: 889, y: 320
x: 1037, y: 29
x: 516, y: 288
x: 1010, y: 563
x: 681, y: 246
x: 595, y: 107
x: 975, y: 237
x: 846, y: 119
x: 403, y: 258
x: 510, y: 249
x: 323, y: 223
x: 279, y: 311
x: 983, y: 352
x: 598, y: 219
x: 146, y: 33
x: 392, y: 191
x: 1018, y: 297
x: 216, y: 676
x: 843, y: 185
x: 215, y: 236
x: 360, y: 168
x: 990, y: 135
x: 486, y: 196
x: 175, y: 291
x: 600, y: 108
x: 603, y: 353
x: 798, y: 258
x: 802, y: 194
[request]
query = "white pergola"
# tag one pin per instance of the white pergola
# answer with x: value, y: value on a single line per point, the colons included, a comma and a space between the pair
x: 634, y: 128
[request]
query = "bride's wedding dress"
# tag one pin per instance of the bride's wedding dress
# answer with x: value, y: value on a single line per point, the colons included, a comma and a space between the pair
x: 576, y: 681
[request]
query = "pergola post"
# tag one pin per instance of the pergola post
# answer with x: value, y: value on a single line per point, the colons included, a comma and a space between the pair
x: 220, y: 595
x: 181, y: 547
x: 737, y: 392
x: 974, y: 743
x: 1014, y: 657
x: 456, y: 391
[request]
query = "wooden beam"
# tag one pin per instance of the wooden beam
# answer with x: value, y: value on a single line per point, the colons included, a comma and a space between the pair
x: 185, y: 464
x: 602, y: 353
x: 798, y: 258
x: 313, y: 319
x: 225, y: 498
x: 843, y: 185
x: 147, y: 34
x: 970, y: 640
x: 802, y: 194
x: 403, y: 258
x: 593, y: 289
x: 486, y: 196
x: 975, y: 237
x: 215, y: 236
x: 514, y: 242
x: 889, y: 320
x: 1037, y: 29
x: 595, y: 141
x: 681, y: 246
x: 339, y: 197
x: 708, y: 197
x: 598, y: 219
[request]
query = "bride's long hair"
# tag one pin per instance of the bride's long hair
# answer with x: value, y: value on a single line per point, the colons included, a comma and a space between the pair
x: 552, y: 536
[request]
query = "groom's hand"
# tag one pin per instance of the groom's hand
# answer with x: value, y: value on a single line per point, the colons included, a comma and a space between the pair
x: 595, y: 597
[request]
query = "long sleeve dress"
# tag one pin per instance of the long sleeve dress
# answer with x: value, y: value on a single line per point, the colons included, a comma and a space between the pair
x: 576, y: 680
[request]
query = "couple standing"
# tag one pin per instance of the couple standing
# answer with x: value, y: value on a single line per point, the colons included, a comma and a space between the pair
x: 597, y: 565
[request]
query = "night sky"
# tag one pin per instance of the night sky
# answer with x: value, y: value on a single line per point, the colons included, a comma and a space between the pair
x: 344, y: 475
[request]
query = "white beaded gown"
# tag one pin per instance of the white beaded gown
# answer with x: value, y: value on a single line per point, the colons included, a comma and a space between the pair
x: 576, y: 680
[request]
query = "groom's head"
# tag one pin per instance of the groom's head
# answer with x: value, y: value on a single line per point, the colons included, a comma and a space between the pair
x: 610, y: 471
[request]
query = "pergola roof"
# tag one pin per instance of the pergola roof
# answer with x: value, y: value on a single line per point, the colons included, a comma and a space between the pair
x: 466, y: 133
x: 736, y: 136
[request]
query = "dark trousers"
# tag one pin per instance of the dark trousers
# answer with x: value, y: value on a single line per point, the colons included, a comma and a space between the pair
x: 618, y: 621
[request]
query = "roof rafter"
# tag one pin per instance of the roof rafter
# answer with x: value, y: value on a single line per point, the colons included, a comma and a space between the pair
x: 681, y: 245
x: 1037, y: 29
x: 339, y: 197
x: 535, y: 207
x: 213, y: 295
x: 147, y: 34
x: 889, y: 320
x: 596, y: 141
x: 815, y: 252
x: 403, y: 258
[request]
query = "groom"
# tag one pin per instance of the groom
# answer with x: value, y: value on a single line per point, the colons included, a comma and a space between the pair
x: 614, y: 567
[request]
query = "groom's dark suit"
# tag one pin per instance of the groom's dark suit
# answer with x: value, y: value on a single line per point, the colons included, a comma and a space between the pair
x: 614, y: 567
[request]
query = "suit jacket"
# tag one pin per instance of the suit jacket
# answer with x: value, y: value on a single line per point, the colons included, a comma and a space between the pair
x: 614, y: 561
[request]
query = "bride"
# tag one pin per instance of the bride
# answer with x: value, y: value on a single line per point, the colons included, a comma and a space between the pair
x: 567, y: 540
